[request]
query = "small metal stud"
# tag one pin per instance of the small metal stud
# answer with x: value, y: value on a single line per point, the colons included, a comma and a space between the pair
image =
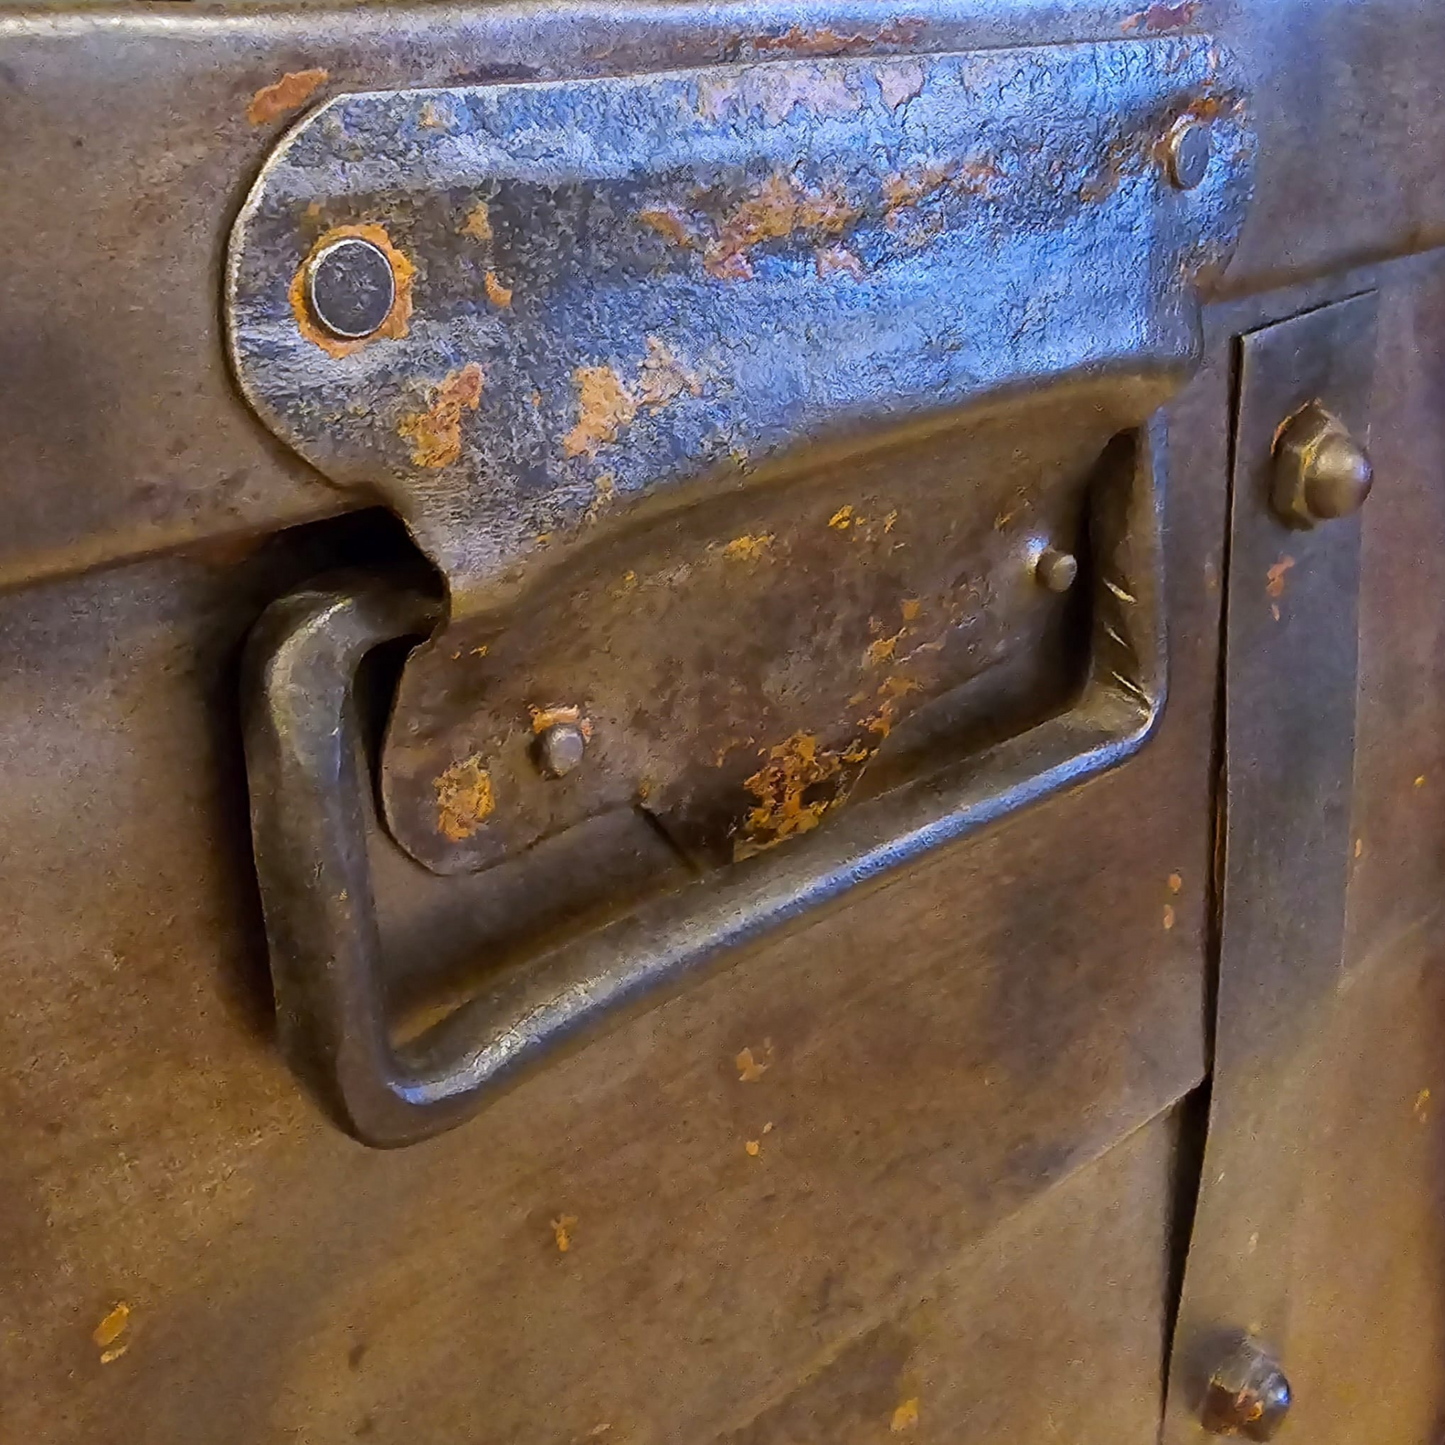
x: 1247, y: 1395
x: 1190, y: 148
x: 1056, y: 569
x: 350, y: 288
x: 1321, y: 471
x: 560, y: 749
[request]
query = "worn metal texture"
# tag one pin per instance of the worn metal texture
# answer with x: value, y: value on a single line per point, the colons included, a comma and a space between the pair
x: 745, y: 667
x: 1289, y: 712
x: 928, y: 1061
x: 133, y: 134
x: 610, y: 288
x: 309, y: 813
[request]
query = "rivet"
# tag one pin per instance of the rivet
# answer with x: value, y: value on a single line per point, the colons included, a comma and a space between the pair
x: 560, y: 749
x: 1190, y: 147
x: 1247, y: 1395
x: 350, y: 287
x: 1056, y: 569
x: 1321, y: 471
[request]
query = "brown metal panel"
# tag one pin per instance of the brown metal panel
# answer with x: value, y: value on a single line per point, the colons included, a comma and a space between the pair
x: 1049, y: 1328
x: 928, y: 1060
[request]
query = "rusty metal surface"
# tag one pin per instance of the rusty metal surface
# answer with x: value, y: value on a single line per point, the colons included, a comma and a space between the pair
x: 133, y: 134
x: 928, y: 1061
x: 1289, y: 715
x: 611, y: 288
x: 308, y: 805
x: 744, y: 668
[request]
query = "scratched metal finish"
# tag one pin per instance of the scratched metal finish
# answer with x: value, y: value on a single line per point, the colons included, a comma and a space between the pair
x: 615, y: 284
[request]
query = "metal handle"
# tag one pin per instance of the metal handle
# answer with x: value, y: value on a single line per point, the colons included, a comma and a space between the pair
x: 309, y: 811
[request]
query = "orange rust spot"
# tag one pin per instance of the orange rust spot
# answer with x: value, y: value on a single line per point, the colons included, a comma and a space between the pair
x: 497, y: 294
x: 1276, y: 575
x: 1175, y: 883
x: 1359, y: 846
x: 397, y: 319
x: 112, y: 1327
x: 881, y: 650
x: 436, y: 433
x: 796, y: 41
x: 464, y: 799
x: 606, y: 403
x: 781, y: 785
x: 905, y: 189
x: 604, y: 407
x: 842, y: 519
x: 546, y: 717
x: 1160, y: 17
x: 478, y: 224
x: 776, y: 210
x: 753, y: 1148
x: 747, y: 548
x: 890, y: 521
x: 751, y: 1069
x: 905, y: 1417
x: 1422, y: 1105
x: 562, y: 1232
x: 433, y: 119
x: 294, y: 88
x: 1420, y: 781
x: 606, y: 485
x: 669, y: 223
x: 1168, y: 916
x: 911, y: 605
x: 830, y: 260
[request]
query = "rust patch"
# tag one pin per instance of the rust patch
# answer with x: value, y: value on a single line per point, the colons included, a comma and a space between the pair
x: 747, y: 548
x: 1422, y: 1105
x: 478, y: 224
x: 781, y: 786
x: 1175, y: 883
x: 497, y: 294
x: 905, y: 1417
x: 547, y: 717
x: 464, y: 799
x: 842, y: 519
x: 821, y: 43
x: 751, y: 1069
x: 898, y: 83
x: 398, y: 319
x: 832, y: 260
x: 294, y: 88
x: 436, y: 433
x: 905, y: 190
x: 1159, y: 17
x: 562, y: 1232
x: 1168, y: 916
x: 112, y: 1327
x: 881, y: 649
x: 604, y: 406
x: 777, y: 210
x: 911, y: 606
x: 1275, y: 585
x: 669, y: 223
x: 433, y: 119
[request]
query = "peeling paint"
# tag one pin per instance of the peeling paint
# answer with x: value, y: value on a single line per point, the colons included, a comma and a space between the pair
x: 747, y: 548
x: 464, y: 799
x: 436, y: 433
x: 899, y: 83
x: 1275, y: 584
x: 784, y: 810
x: 281, y: 97
x: 833, y: 260
x: 777, y: 210
x: 604, y: 407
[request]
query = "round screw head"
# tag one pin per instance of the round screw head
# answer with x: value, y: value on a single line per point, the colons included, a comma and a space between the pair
x: 560, y: 749
x: 1190, y: 148
x: 1055, y: 569
x: 1247, y: 1395
x: 1321, y: 471
x: 350, y: 288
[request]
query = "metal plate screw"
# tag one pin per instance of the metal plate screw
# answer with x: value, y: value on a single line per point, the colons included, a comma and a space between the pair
x: 560, y: 749
x: 1055, y: 569
x: 1190, y: 147
x: 1321, y: 471
x: 350, y: 287
x: 1247, y: 1395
